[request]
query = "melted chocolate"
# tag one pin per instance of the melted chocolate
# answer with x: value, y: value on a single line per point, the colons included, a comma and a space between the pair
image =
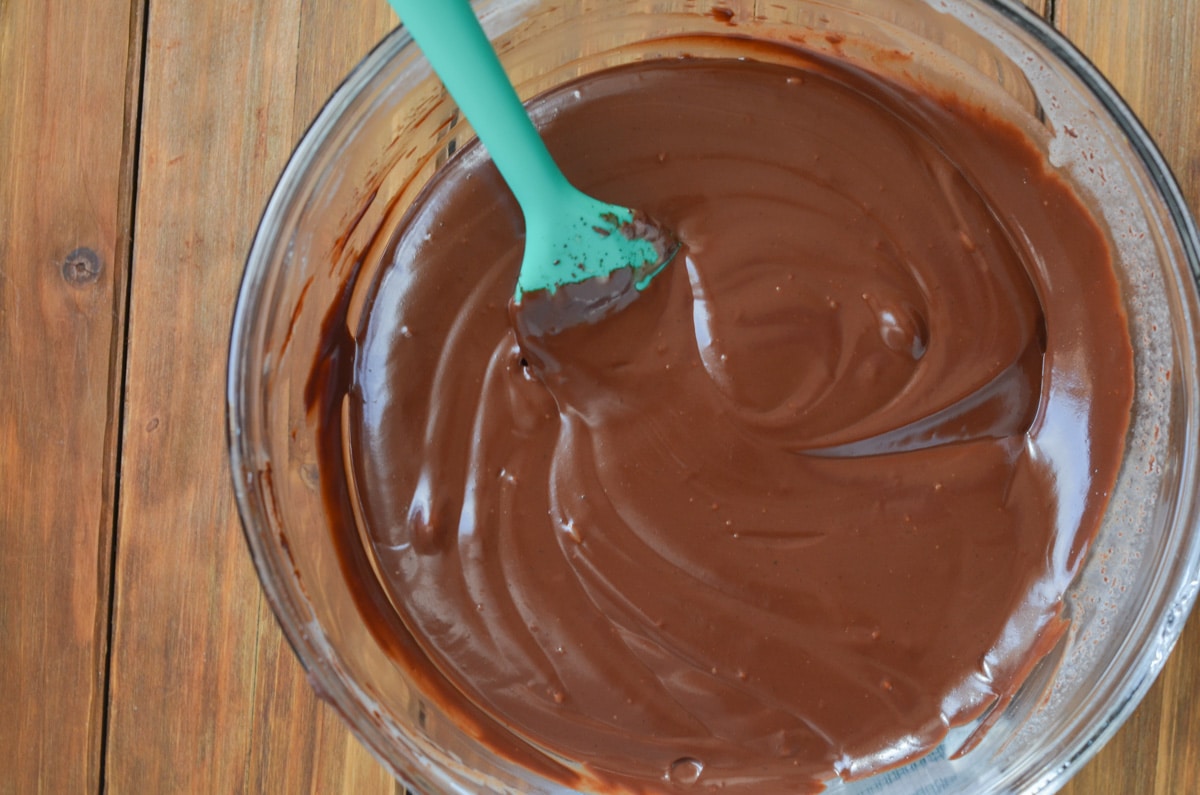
x: 810, y: 500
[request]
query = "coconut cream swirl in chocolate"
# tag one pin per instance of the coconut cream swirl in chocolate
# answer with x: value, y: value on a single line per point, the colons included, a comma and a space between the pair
x: 810, y: 500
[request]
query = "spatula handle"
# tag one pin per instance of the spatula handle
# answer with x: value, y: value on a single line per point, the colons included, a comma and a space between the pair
x: 453, y: 41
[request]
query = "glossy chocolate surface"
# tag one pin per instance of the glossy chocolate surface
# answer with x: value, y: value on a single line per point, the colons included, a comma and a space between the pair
x: 807, y: 502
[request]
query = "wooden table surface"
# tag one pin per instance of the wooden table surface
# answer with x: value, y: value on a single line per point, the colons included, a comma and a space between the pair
x: 139, y: 140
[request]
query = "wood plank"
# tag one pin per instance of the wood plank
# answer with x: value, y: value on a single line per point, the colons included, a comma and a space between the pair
x: 1177, y: 762
x: 206, y: 695
x: 1148, y: 50
x: 65, y: 204
x: 1157, y: 751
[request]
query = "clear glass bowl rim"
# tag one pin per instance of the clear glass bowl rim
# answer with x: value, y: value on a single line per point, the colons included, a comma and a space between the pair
x: 1179, y: 594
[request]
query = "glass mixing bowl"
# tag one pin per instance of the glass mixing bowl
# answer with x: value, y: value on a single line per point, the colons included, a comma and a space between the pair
x: 390, y: 125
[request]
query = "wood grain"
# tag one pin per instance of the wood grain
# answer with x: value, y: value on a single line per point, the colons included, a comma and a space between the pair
x: 68, y: 90
x: 205, y: 695
x: 1148, y: 51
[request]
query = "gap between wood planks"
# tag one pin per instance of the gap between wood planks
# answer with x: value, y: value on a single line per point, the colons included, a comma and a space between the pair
x: 114, y: 433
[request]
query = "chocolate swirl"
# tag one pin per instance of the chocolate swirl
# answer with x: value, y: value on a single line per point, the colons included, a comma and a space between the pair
x: 810, y: 500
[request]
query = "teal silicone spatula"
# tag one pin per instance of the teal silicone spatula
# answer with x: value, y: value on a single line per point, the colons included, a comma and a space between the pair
x: 589, y: 256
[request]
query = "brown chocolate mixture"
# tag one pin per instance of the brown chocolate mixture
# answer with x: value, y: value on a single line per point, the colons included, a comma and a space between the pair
x: 809, y: 501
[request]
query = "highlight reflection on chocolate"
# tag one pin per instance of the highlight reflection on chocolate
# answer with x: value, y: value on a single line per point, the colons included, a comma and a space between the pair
x: 807, y: 502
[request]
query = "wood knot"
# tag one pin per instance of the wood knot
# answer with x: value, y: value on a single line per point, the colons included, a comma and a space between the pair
x: 725, y: 15
x: 81, y: 267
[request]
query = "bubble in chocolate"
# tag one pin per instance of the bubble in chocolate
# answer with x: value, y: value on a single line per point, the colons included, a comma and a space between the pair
x: 901, y: 327
x: 685, y: 771
x: 426, y: 527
